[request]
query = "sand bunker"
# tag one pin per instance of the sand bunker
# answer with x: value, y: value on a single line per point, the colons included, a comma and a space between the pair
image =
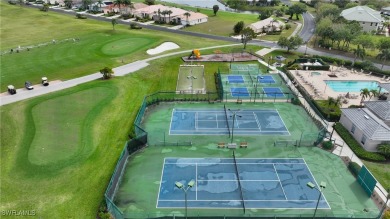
x: 162, y: 48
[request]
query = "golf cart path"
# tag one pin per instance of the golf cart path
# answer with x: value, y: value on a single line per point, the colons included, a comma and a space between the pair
x: 39, y: 90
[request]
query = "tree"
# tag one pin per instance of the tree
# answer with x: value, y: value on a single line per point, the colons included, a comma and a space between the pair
x: 297, y: 9
x: 187, y: 14
x: 359, y: 53
x: 127, y: 4
x: 341, y: 3
x: 366, y: 41
x: 45, y: 7
x: 384, y: 149
x: 164, y: 13
x: 100, y: 3
x: 114, y: 22
x: 117, y: 3
x: 150, y: 2
x: 106, y: 72
x: 265, y: 13
x: 290, y: 43
x: 169, y: 12
x: 373, y: 93
x: 68, y: 4
x: 215, y: 9
x: 364, y: 93
x: 384, y: 43
x: 384, y: 55
x: 238, y: 27
x: 351, y: 5
x: 86, y: 3
x: 247, y: 34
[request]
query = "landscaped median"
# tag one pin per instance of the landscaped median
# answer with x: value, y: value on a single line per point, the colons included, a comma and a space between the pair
x: 355, y: 146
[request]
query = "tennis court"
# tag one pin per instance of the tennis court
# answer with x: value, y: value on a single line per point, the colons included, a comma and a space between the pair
x: 191, y: 79
x: 220, y: 122
x: 266, y: 79
x: 235, y: 79
x: 256, y: 183
x: 239, y: 92
x: 273, y: 92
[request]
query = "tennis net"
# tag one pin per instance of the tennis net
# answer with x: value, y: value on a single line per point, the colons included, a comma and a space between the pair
x: 227, y: 120
x: 250, y: 76
x: 239, y: 182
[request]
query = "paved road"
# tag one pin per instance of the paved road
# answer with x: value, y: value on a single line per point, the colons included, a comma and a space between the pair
x: 308, y: 27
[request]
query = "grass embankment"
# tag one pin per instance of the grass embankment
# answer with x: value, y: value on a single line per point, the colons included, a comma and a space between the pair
x: 99, y: 45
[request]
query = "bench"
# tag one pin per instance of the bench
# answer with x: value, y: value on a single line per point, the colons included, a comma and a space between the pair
x: 221, y: 145
x: 243, y: 144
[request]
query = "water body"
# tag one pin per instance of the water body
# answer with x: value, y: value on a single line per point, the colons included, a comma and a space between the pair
x: 200, y: 3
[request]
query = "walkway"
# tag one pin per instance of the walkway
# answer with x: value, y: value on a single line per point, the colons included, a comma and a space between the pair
x: 23, y: 94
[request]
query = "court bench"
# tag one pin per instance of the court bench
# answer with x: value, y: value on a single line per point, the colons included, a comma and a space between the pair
x: 221, y: 145
x: 243, y: 144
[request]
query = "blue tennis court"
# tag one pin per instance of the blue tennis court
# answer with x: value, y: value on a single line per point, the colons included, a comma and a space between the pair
x: 216, y: 122
x: 239, y: 92
x: 235, y: 79
x: 273, y: 92
x: 275, y: 183
x: 266, y: 79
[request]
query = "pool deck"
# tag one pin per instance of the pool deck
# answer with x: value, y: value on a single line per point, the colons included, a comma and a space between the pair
x: 315, y: 84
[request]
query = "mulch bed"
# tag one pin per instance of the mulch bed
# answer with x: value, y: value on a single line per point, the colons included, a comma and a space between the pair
x: 225, y: 57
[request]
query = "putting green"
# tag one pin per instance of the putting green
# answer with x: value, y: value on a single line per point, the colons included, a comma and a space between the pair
x: 125, y: 46
x: 62, y: 125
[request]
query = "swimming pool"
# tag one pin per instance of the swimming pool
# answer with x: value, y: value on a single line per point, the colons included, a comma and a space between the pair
x: 351, y: 86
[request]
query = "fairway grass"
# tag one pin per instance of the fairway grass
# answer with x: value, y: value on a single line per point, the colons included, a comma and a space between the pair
x: 98, y: 45
x: 62, y: 123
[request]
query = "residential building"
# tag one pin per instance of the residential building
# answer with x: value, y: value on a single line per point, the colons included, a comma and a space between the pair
x: 370, y: 126
x: 385, y: 11
x: 266, y: 25
x: 193, y: 19
x: 368, y: 18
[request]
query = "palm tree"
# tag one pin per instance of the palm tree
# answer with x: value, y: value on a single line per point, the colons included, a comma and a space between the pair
x: 338, y: 102
x: 127, y: 4
x: 100, y: 3
x: 384, y: 55
x: 364, y: 93
x: 331, y: 101
x: 169, y: 12
x: 359, y: 52
x: 118, y: 3
x: 373, y: 93
x: 384, y: 149
x: 164, y: 13
x: 187, y: 14
x: 68, y: 4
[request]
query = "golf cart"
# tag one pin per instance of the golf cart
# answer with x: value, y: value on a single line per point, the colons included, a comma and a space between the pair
x: 28, y: 85
x: 11, y: 89
x: 44, y: 81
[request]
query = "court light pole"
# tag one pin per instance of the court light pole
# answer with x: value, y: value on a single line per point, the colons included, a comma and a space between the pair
x: 313, y: 186
x: 385, y: 205
x: 234, y: 118
x: 181, y: 186
x: 269, y: 60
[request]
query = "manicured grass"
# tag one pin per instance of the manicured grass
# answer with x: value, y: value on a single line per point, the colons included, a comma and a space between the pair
x: 381, y: 172
x: 82, y: 131
x: 99, y: 46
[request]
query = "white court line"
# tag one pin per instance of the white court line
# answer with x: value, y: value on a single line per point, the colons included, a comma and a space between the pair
x: 257, y: 121
x: 277, y: 111
x: 281, y: 185
x: 159, y: 189
x: 170, y: 125
x: 315, y: 181
x: 216, y: 120
x: 242, y: 180
x: 196, y: 181
x: 249, y: 200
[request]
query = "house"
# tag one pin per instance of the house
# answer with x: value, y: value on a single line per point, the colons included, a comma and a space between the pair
x: 385, y: 11
x: 193, y: 19
x: 266, y: 25
x: 370, y: 126
x: 368, y: 18
x: 156, y: 12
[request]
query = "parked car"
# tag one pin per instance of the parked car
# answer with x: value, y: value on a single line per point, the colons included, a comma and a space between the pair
x: 11, y: 89
x: 28, y: 85
x: 45, y: 82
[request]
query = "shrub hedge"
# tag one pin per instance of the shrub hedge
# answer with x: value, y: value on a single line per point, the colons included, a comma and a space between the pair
x: 355, y: 146
x: 327, y: 145
x: 332, y: 117
x: 354, y: 168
